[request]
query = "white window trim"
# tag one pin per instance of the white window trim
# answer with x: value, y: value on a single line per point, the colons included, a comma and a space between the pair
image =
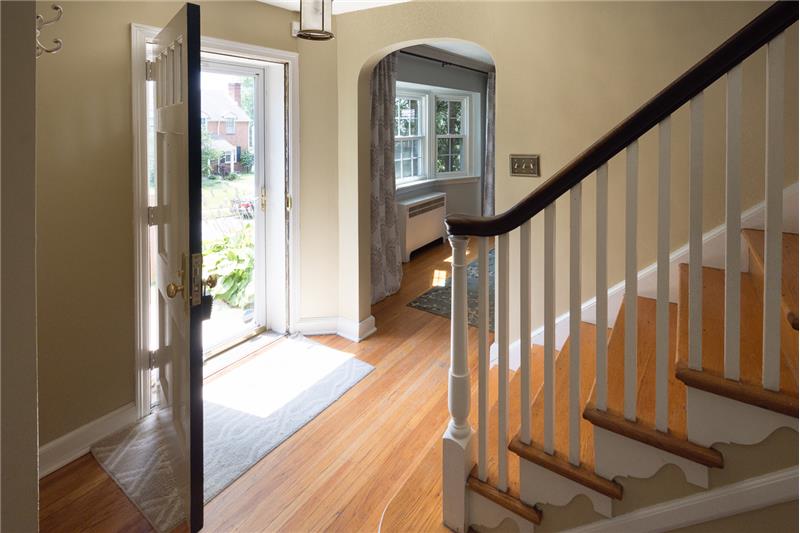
x: 473, y: 145
x: 422, y: 97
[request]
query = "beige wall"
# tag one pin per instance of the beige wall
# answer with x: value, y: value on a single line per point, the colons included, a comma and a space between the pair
x: 19, y: 487
x: 566, y: 74
x: 86, y: 297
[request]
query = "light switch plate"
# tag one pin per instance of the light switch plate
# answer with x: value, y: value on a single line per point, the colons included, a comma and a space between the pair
x: 525, y: 165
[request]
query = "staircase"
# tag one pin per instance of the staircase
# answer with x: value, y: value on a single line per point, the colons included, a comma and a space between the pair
x: 670, y: 380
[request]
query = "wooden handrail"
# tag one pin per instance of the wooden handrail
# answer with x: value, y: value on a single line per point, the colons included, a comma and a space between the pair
x: 745, y: 42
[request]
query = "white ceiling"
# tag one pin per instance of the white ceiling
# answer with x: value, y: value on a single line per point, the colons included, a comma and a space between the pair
x: 464, y: 49
x: 339, y: 6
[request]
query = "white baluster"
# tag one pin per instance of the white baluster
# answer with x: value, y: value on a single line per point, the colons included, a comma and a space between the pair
x: 483, y: 355
x: 776, y: 59
x: 733, y: 176
x: 501, y: 264
x: 601, y: 272
x: 662, y: 283
x: 575, y: 325
x: 457, y: 440
x: 696, y: 233
x: 549, y: 326
x: 631, y: 280
x: 525, y: 330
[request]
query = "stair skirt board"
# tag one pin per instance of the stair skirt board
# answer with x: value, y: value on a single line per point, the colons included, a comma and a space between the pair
x: 484, y: 512
x: 617, y: 455
x: 711, y: 418
x: 729, y: 500
x: 539, y: 485
x: 713, y: 256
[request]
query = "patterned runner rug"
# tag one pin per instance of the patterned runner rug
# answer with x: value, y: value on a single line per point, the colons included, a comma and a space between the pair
x: 248, y: 411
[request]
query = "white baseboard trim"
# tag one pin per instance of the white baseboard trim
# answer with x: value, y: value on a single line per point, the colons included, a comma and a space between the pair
x: 332, y: 325
x: 713, y: 256
x: 326, y: 325
x: 748, y: 495
x: 74, y: 444
x: 356, y: 331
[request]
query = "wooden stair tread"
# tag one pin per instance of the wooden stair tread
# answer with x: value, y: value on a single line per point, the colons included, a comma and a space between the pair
x: 748, y: 389
x: 646, y: 369
x: 559, y: 461
x: 504, y: 499
x: 488, y: 489
x: 643, y: 429
x: 789, y: 270
x: 789, y: 286
x: 492, y: 456
x: 561, y: 466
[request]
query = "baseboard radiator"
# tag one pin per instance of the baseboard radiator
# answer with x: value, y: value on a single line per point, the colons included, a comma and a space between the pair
x: 421, y: 221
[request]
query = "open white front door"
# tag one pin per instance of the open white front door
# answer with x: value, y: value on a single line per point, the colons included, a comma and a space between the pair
x: 176, y: 71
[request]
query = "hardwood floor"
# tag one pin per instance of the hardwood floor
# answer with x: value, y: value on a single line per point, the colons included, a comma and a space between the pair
x: 339, y: 471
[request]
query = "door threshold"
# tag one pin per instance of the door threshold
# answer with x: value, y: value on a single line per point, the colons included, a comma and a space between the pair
x: 238, y: 351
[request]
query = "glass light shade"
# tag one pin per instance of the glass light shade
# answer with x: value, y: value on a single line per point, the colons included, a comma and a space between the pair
x: 315, y: 20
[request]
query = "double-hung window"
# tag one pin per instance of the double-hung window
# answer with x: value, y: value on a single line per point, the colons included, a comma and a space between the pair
x: 409, y: 138
x: 452, y: 146
x: 433, y: 129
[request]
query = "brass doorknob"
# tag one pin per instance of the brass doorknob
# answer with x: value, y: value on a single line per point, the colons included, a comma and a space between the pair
x: 211, y: 281
x: 173, y: 290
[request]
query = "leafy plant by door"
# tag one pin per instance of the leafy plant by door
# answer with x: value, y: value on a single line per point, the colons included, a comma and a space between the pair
x: 232, y: 259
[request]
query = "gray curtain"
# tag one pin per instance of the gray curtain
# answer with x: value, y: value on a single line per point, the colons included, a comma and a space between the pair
x: 386, y: 262
x: 487, y: 196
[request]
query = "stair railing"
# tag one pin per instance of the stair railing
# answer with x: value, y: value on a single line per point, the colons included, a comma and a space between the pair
x: 458, y: 447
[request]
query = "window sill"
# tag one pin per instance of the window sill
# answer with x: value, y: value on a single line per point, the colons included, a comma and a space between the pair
x: 419, y: 184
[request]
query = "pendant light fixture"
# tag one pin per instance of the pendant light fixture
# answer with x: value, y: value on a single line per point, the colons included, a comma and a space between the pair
x: 315, y: 20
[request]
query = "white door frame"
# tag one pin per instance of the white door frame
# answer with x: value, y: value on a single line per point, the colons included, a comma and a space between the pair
x: 279, y: 272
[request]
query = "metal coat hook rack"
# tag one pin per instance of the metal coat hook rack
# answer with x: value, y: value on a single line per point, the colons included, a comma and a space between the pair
x: 41, y: 23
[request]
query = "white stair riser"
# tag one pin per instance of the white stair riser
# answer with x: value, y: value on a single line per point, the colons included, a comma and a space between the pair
x: 616, y: 455
x: 711, y: 418
x: 540, y: 485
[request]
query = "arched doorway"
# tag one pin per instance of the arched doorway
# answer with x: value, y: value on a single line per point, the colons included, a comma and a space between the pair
x: 428, y: 153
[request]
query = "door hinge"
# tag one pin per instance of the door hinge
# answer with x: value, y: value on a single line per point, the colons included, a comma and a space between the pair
x: 263, y: 198
x: 153, y: 360
x: 148, y: 71
x: 288, y: 202
x: 152, y: 215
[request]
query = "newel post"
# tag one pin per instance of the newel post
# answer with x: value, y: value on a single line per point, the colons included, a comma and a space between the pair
x: 458, y: 454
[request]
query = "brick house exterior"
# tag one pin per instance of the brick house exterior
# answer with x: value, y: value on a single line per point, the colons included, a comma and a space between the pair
x: 225, y: 120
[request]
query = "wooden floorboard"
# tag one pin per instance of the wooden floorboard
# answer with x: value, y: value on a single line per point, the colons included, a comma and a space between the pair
x: 339, y: 471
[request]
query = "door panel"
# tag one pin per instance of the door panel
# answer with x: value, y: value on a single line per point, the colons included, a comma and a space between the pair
x: 176, y: 69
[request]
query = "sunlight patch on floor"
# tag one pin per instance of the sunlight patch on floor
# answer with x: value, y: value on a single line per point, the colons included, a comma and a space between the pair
x: 266, y: 382
x: 439, y: 278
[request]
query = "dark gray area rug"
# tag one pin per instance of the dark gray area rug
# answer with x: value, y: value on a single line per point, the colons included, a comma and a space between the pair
x: 438, y: 299
x: 248, y: 411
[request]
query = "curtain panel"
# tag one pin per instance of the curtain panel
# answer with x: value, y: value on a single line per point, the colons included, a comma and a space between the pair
x: 487, y: 196
x: 386, y: 261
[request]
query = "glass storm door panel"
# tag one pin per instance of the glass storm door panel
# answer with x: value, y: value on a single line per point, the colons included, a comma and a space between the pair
x: 233, y: 201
